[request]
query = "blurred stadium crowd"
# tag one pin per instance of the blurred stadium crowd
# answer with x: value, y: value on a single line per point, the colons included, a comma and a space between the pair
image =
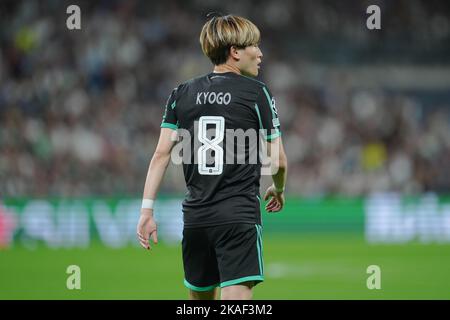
x: 80, y: 110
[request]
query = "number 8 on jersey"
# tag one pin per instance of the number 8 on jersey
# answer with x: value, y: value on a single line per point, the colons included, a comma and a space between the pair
x: 210, y: 144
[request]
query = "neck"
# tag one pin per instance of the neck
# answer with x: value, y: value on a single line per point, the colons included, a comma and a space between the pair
x: 222, y: 68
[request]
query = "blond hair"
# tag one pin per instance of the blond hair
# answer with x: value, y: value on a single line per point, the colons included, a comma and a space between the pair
x: 219, y: 34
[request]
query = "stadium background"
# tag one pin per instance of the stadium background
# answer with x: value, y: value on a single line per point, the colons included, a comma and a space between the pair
x: 366, y: 126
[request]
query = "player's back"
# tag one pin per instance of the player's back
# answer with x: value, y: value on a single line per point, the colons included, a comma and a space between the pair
x: 221, y: 113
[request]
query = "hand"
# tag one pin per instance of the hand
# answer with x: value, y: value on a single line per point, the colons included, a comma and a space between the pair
x: 147, y: 227
x: 276, y: 202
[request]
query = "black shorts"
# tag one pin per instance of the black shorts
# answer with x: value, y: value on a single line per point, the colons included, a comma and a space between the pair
x: 222, y: 256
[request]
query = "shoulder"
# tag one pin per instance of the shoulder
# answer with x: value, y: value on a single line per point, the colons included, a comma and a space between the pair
x: 194, y: 81
x: 184, y: 86
x: 259, y: 87
x: 253, y: 81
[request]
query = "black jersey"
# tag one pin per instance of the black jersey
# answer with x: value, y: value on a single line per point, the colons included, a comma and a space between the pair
x: 208, y: 108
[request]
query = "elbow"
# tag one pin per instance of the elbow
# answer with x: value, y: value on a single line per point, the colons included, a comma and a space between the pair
x: 282, y: 165
x: 282, y: 162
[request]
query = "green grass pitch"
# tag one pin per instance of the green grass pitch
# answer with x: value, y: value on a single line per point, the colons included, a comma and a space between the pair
x: 296, y: 267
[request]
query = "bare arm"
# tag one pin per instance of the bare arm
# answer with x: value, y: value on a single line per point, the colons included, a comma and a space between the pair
x: 279, y: 169
x: 159, y: 163
x: 147, y: 225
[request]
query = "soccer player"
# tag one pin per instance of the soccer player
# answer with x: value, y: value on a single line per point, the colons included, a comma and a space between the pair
x: 222, y: 244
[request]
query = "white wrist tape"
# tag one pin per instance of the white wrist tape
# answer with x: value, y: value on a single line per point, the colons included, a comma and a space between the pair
x: 147, y: 203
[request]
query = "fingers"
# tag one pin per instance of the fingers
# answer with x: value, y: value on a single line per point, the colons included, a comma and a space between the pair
x: 277, y: 207
x: 268, y: 204
x: 271, y: 205
x: 274, y: 208
x: 274, y: 205
x: 155, y: 237
x: 143, y: 241
x: 267, y: 195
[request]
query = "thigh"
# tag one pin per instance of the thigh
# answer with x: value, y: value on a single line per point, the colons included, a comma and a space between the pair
x: 203, y: 295
x: 199, y: 260
x: 241, y: 291
x: 239, y: 254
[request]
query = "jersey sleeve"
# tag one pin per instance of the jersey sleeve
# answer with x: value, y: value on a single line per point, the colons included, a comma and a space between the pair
x: 268, y: 114
x: 169, y: 119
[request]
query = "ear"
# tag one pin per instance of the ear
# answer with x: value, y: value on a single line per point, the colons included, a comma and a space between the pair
x: 234, y: 53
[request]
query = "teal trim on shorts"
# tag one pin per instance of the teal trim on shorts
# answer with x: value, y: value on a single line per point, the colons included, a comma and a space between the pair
x: 240, y: 280
x: 260, y: 249
x: 194, y: 288
x: 169, y: 125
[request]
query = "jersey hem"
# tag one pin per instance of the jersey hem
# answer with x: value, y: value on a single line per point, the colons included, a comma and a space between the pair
x: 214, y: 224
